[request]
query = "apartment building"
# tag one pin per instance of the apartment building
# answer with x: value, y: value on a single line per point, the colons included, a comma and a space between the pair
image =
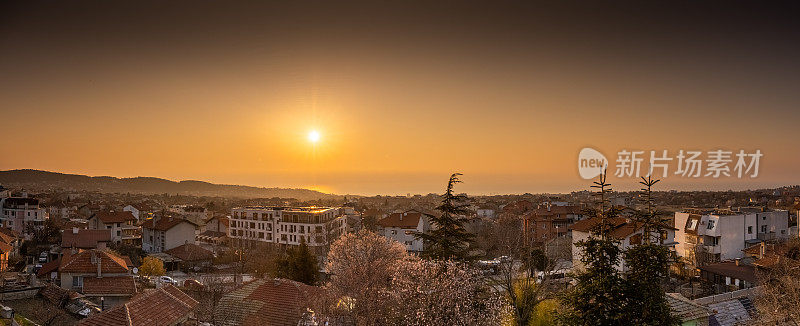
x: 549, y: 221
x: 164, y: 232
x: 316, y: 226
x: 122, y: 225
x: 720, y: 235
x: 18, y: 213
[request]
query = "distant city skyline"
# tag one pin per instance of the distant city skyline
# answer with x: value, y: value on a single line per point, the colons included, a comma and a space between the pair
x: 376, y: 98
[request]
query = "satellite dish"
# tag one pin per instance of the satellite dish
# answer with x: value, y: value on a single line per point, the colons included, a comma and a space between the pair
x: 135, y: 270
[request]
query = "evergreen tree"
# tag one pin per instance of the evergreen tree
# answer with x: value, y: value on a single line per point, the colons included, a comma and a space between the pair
x: 648, y: 267
x: 598, y: 297
x: 298, y: 264
x: 447, y: 238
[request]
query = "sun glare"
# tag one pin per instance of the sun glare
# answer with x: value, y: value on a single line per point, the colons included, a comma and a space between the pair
x: 313, y: 136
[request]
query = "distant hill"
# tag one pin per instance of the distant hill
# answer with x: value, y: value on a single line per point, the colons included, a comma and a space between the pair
x: 36, y: 180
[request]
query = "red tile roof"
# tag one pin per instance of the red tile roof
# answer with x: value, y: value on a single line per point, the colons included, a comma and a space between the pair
x: 190, y: 252
x: 114, y: 217
x: 49, y: 267
x: 165, y: 223
x: 162, y: 307
x: 82, y: 262
x: 407, y: 220
x: 115, y: 285
x: 274, y: 302
x: 84, y: 238
x: 619, y: 227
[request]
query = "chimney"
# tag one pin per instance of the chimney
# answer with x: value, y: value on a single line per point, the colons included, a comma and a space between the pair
x: 74, y: 230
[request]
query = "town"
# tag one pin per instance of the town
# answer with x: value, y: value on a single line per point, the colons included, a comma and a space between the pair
x: 96, y: 258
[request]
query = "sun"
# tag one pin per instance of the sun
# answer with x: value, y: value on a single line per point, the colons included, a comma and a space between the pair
x: 313, y: 136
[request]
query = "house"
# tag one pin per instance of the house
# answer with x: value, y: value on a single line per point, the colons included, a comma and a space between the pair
x: 100, y: 275
x: 196, y: 214
x: 266, y: 302
x: 85, y: 238
x: 162, y: 233
x: 720, y: 235
x: 121, y: 223
x: 627, y: 232
x: 215, y: 231
x: 140, y: 211
x: 166, y: 306
x: 402, y: 228
x: 191, y: 257
x: 20, y: 213
x: 729, y: 275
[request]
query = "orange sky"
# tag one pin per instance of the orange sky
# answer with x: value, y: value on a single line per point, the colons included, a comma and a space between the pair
x: 401, y: 99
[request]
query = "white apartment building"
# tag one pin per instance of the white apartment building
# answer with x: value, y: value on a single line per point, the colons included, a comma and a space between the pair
x: 316, y: 226
x: 715, y: 236
x: 402, y: 227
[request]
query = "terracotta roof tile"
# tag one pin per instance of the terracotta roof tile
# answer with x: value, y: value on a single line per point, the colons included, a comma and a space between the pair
x: 407, y: 220
x: 190, y: 252
x: 82, y: 262
x: 275, y: 302
x: 84, y: 238
x: 119, y: 285
x: 162, y: 307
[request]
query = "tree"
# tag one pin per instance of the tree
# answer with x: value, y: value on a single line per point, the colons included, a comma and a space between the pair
x: 648, y: 268
x: 152, y: 266
x: 778, y: 302
x: 448, y: 239
x: 597, y: 298
x: 361, y: 266
x: 298, y: 264
x: 431, y: 292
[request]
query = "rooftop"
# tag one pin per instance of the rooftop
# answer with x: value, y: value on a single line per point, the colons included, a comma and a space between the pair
x: 162, y: 307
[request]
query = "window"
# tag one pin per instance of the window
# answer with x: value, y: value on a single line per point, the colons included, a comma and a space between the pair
x: 763, y: 229
x: 750, y: 229
x: 77, y: 281
x: 710, y: 224
x: 408, y: 243
x: 394, y: 232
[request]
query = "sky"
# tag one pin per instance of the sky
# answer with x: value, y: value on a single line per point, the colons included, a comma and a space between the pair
x: 402, y: 94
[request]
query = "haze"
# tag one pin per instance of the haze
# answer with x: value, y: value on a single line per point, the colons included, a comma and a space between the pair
x: 400, y: 95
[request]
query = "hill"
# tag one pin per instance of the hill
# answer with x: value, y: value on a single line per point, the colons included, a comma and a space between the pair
x: 36, y: 180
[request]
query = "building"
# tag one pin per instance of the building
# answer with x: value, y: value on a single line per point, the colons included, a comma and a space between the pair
x: 121, y: 223
x: 316, y: 226
x: 267, y: 302
x: 720, y: 235
x: 191, y: 257
x: 196, y: 214
x: 215, y: 231
x: 101, y: 275
x: 627, y: 232
x: 402, y: 227
x: 167, y: 306
x: 85, y: 238
x: 140, y: 211
x: 162, y: 233
x: 549, y: 221
x: 729, y: 275
x: 20, y: 213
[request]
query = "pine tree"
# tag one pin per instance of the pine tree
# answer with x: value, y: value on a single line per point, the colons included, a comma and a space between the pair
x: 598, y: 296
x: 298, y: 264
x: 447, y: 238
x: 648, y: 267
